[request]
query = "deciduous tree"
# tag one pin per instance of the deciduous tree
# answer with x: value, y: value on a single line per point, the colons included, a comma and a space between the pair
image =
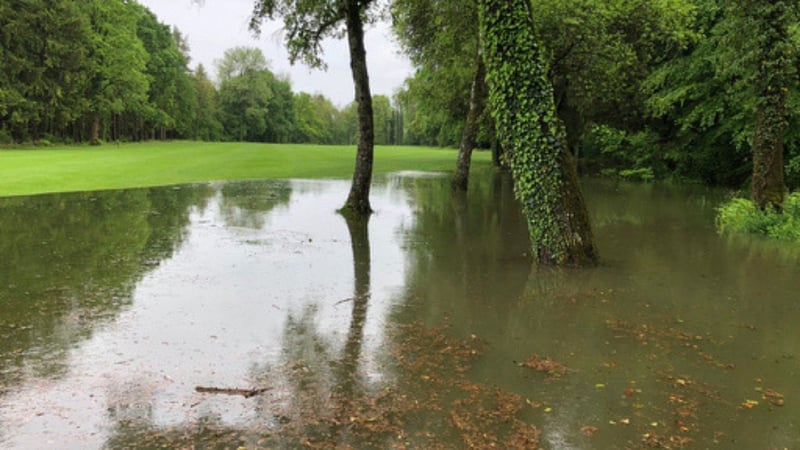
x: 521, y: 102
x: 307, y: 23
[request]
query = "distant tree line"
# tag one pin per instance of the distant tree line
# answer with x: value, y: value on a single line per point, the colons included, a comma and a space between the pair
x: 107, y: 70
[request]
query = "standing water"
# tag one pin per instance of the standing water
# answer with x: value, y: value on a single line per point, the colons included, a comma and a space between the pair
x: 251, y: 314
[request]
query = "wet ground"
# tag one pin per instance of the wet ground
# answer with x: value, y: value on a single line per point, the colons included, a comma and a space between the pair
x: 252, y: 314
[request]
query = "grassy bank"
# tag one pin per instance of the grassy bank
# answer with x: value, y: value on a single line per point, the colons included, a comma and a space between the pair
x: 64, y: 169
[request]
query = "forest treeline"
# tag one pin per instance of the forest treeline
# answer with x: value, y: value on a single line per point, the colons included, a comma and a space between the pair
x: 107, y: 70
x: 645, y: 89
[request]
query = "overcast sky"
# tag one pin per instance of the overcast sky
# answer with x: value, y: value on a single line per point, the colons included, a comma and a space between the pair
x: 222, y: 24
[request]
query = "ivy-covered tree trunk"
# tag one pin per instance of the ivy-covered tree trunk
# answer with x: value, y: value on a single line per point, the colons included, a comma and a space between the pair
x: 521, y: 102
x: 773, y: 78
x: 477, y: 102
x: 358, y: 199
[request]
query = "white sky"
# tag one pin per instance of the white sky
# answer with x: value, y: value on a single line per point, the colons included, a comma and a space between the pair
x: 218, y: 25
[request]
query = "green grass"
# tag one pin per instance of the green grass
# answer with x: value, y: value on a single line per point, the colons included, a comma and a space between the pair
x: 66, y: 169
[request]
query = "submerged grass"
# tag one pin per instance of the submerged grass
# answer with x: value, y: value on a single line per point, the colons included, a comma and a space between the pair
x: 78, y: 168
x: 742, y: 216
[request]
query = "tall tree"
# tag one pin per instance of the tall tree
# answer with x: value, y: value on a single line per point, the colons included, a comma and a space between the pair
x: 521, y: 102
x: 768, y: 23
x: 116, y: 76
x: 245, y: 93
x: 171, y: 100
x: 206, y: 125
x: 477, y: 103
x: 440, y: 38
x: 436, y: 35
x: 307, y: 23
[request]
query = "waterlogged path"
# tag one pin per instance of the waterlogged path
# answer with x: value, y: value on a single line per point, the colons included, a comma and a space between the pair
x: 251, y: 314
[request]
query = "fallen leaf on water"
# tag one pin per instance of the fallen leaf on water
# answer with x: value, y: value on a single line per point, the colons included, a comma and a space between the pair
x: 774, y: 397
x: 589, y: 430
x: 628, y: 392
x: 539, y: 364
x: 749, y: 404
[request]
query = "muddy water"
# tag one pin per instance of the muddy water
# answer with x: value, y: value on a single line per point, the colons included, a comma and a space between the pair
x: 116, y: 306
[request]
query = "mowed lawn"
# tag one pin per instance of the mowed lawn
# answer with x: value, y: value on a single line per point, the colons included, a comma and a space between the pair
x: 83, y: 168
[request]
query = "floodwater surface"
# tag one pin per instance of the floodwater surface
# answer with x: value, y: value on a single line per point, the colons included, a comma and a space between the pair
x: 251, y: 314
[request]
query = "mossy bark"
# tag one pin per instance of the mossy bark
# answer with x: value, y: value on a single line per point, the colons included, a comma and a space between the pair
x: 775, y: 73
x: 769, y: 188
x: 522, y: 105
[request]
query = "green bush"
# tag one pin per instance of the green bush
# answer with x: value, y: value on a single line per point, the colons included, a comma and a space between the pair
x: 741, y: 216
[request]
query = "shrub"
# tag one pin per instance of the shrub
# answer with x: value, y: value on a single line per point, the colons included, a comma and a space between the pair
x: 741, y: 216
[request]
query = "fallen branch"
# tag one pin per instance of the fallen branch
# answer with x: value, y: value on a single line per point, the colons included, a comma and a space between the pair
x: 246, y: 393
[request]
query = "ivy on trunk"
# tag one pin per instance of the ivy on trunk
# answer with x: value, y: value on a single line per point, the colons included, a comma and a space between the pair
x: 521, y: 103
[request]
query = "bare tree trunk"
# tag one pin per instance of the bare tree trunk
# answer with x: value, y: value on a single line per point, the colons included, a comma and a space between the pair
x: 477, y: 101
x: 358, y: 200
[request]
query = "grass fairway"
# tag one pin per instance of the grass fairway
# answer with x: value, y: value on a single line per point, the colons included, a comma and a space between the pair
x: 65, y: 169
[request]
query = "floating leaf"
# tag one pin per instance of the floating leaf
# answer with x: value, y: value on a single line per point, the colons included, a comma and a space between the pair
x: 775, y: 398
x: 749, y: 404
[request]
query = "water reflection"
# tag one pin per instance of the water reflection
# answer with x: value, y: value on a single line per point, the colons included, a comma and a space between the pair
x: 245, y: 204
x: 70, y: 263
x: 370, y: 333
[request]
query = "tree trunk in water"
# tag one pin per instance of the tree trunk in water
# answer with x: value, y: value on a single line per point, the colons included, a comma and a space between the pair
x: 358, y: 200
x: 521, y: 100
x: 477, y: 101
x: 768, y: 185
x: 497, y: 149
x: 774, y: 76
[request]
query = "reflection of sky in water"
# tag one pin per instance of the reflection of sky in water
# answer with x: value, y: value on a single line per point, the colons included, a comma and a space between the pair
x: 671, y: 300
x: 212, y: 312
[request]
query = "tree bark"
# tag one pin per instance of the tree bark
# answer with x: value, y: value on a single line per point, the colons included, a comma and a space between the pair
x: 477, y: 102
x: 521, y: 100
x: 773, y: 79
x: 95, y: 133
x: 769, y: 188
x: 358, y: 200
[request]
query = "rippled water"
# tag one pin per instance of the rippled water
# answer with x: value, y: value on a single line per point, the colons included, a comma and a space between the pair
x: 115, y: 306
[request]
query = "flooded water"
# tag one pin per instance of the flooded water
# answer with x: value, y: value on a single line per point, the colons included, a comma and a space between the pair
x: 252, y: 315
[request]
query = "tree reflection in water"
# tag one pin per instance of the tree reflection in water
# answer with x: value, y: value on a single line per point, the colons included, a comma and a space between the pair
x: 413, y: 391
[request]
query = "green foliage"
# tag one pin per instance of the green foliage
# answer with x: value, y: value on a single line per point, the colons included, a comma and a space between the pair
x: 254, y: 104
x: 709, y: 94
x: 630, y: 155
x: 90, y: 69
x: 742, y: 216
x: 440, y: 37
x: 599, y: 53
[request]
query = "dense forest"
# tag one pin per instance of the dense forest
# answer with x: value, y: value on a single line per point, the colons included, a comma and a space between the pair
x: 645, y: 90
x: 98, y: 70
